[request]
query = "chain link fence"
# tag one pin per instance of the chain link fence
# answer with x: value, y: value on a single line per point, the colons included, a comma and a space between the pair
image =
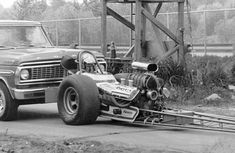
x: 207, y: 27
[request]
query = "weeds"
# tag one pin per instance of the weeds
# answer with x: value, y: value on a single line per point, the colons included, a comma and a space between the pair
x: 202, y: 77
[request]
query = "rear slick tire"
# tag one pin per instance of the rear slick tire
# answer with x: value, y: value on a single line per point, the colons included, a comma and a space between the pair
x: 78, y: 100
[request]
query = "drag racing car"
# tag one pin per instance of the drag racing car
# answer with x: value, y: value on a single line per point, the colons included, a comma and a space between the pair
x: 89, y: 91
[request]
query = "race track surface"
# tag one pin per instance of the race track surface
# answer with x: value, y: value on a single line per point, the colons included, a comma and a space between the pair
x: 43, y: 121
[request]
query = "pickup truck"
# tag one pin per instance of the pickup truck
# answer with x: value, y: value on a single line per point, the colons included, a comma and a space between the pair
x: 30, y: 69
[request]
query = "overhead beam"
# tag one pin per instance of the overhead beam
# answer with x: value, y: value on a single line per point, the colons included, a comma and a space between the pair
x: 144, y: 1
x: 161, y: 26
x: 120, y: 18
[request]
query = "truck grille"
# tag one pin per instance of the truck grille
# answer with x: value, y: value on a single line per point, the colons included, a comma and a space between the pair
x: 47, y: 72
x: 43, y: 72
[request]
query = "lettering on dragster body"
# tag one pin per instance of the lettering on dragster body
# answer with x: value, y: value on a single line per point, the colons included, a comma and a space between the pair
x: 124, y: 89
x: 127, y: 112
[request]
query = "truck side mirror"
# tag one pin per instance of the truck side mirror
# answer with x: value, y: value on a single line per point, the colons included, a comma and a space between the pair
x: 67, y: 62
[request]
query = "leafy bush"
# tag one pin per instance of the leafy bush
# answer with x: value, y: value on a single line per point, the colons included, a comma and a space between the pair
x: 233, y: 71
x: 200, y: 79
x: 216, y: 77
x: 211, y: 70
x: 233, y: 74
x: 172, y: 72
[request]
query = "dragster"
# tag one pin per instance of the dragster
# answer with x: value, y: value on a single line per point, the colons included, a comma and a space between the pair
x: 89, y: 91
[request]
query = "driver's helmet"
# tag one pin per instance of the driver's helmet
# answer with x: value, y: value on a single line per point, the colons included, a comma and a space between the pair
x: 89, y: 64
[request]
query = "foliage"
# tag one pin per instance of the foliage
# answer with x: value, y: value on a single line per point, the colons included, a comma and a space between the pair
x: 172, y: 73
x: 204, y: 76
x: 233, y: 74
x: 210, y: 70
x: 216, y: 77
x: 233, y: 71
x: 28, y: 9
x: 55, y: 4
x: 217, y: 31
x: 94, y: 6
x: 22, y: 9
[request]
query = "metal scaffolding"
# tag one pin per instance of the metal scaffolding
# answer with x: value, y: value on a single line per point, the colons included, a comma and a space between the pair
x: 142, y: 13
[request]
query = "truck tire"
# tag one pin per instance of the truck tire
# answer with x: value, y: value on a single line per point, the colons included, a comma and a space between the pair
x: 78, y: 100
x: 8, y: 106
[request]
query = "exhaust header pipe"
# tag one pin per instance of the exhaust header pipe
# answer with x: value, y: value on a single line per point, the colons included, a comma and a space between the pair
x: 144, y: 66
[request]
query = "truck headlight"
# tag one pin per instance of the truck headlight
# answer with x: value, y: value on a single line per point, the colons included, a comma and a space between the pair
x: 24, y: 74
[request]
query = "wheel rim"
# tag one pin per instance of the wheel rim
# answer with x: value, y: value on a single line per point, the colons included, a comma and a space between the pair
x: 71, y: 100
x: 2, y: 102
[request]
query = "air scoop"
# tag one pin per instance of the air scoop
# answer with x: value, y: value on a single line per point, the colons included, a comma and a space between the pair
x: 144, y: 66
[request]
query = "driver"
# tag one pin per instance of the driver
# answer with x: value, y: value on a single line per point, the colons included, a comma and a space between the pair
x: 89, y: 63
x: 89, y: 67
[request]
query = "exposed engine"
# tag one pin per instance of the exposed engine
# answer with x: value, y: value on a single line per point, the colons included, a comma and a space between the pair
x: 149, y: 86
x: 123, y: 94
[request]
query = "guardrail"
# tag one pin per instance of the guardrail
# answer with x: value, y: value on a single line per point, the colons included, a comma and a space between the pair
x: 213, y: 49
x: 196, y: 50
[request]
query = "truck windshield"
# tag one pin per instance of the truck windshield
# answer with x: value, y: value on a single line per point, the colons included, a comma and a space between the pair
x: 20, y: 36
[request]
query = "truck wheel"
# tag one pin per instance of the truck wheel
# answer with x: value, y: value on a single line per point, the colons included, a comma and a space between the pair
x: 78, y: 100
x: 8, y: 107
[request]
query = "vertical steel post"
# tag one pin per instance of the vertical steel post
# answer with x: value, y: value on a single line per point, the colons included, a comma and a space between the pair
x: 205, y: 33
x: 56, y: 33
x: 181, y: 53
x: 131, y: 18
x: 104, y: 27
x: 167, y: 23
x: 138, y: 30
x: 79, y: 32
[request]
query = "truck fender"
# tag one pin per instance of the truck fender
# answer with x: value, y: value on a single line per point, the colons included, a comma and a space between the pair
x: 9, y: 88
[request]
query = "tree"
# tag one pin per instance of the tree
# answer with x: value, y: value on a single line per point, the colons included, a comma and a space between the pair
x: 5, y: 13
x: 55, y: 4
x: 94, y: 6
x: 76, y: 4
x: 29, y: 9
x: 38, y: 7
x: 22, y: 9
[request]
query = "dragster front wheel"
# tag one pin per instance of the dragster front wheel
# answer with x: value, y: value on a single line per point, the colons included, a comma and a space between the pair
x: 78, y: 100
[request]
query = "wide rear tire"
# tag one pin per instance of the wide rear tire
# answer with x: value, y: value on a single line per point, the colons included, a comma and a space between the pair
x: 78, y: 100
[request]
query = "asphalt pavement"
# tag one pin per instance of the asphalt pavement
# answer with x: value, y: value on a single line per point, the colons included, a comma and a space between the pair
x: 43, y: 121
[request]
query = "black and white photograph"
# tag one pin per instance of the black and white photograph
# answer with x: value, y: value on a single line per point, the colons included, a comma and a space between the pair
x: 117, y: 76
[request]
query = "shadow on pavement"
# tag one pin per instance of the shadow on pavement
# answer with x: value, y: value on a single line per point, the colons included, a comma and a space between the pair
x: 29, y: 113
x: 126, y: 124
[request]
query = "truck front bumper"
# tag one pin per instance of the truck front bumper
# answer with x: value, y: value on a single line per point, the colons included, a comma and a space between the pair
x: 50, y: 94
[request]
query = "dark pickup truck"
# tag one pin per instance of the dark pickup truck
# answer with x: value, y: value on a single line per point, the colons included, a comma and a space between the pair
x: 30, y: 70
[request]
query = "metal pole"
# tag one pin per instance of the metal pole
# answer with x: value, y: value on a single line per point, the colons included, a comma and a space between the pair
x: 80, y: 32
x: 138, y: 30
x: 167, y: 23
x: 56, y: 33
x: 104, y: 27
x: 131, y: 32
x: 205, y: 34
x: 181, y: 54
x: 225, y: 16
